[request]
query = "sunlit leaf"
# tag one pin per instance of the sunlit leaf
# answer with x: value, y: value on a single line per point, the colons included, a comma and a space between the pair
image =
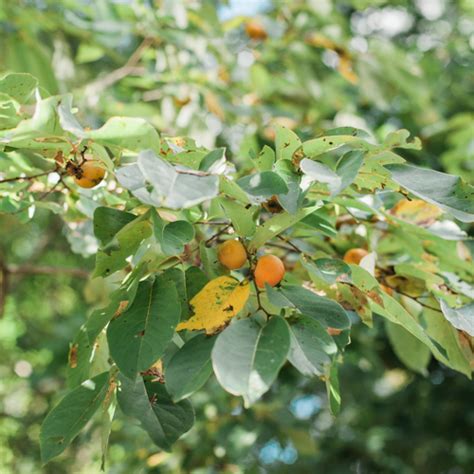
x: 218, y: 302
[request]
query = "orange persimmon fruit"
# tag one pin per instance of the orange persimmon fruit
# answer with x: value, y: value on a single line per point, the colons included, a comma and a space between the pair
x: 232, y: 254
x: 89, y: 174
x: 269, y: 269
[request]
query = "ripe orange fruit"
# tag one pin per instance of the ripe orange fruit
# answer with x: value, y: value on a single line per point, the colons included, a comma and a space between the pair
x: 255, y: 30
x: 88, y: 174
x: 269, y: 269
x: 355, y: 255
x: 232, y: 254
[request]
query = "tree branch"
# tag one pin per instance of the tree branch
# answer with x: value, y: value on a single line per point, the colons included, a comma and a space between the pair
x: 46, y: 270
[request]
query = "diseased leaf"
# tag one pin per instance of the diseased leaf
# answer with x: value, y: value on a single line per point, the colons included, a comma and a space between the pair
x: 444, y: 190
x: 265, y: 159
x: 286, y: 143
x: 461, y: 318
x: 19, y: 86
x: 318, y: 146
x: 218, y: 302
x: 416, y: 211
x: 72, y: 413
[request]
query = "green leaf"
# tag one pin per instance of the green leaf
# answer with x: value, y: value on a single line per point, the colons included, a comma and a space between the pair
x: 211, y: 265
x: 320, y: 173
x: 150, y: 404
x: 444, y: 190
x: 292, y: 200
x: 311, y: 347
x: 139, y: 336
x: 213, y: 160
x: 410, y: 350
x: 329, y: 269
x: 319, y: 223
x: 332, y: 387
x: 399, y: 139
x: 125, y: 243
x: 231, y: 189
x: 108, y: 413
x: 389, y: 308
x: 461, y: 318
x: 83, y: 346
x: 170, y: 187
x: 276, y: 225
x: 175, y: 236
x: 318, y: 146
x: 177, y: 276
x: 327, y: 312
x: 348, y: 167
x: 43, y: 122
x: 440, y: 330
x: 241, y: 217
x: 247, y: 357
x: 190, y: 367
x: 286, y: 143
x: 196, y: 280
x: 19, y: 86
x: 129, y: 133
x: 265, y: 159
x: 266, y: 183
x: 66, y: 419
x: 108, y: 221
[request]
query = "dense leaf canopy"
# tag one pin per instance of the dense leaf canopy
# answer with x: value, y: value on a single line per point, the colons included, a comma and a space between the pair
x: 137, y: 137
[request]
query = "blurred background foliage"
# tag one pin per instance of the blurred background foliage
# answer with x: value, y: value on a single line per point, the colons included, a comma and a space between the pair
x: 224, y: 73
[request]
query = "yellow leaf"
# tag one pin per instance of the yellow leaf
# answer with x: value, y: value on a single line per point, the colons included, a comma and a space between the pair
x: 218, y: 302
x: 416, y: 211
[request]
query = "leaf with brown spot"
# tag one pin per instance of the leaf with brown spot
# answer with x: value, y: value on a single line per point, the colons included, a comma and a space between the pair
x: 218, y: 302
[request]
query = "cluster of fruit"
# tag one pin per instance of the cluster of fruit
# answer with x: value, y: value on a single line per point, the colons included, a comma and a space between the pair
x: 269, y: 269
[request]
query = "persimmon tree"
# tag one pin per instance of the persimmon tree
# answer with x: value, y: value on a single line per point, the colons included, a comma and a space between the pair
x: 317, y: 234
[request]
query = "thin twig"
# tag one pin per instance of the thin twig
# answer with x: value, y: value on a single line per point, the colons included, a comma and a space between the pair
x: 128, y: 68
x: 217, y: 235
x: 211, y: 223
x: 291, y: 244
x: 27, y: 178
x: 27, y: 269
x: 252, y: 277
